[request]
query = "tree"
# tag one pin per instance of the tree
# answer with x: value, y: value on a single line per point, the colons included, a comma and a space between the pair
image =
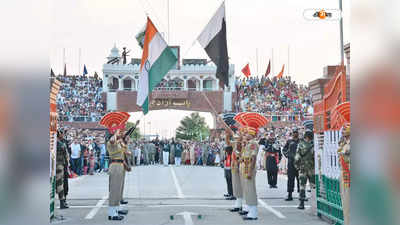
x: 136, y: 133
x: 193, y: 127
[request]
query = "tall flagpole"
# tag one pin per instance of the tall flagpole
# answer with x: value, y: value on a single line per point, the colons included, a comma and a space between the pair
x: 257, y: 60
x: 341, y: 32
x: 272, y: 62
x: 79, y: 63
x: 288, y: 59
x: 169, y: 42
x: 64, y: 64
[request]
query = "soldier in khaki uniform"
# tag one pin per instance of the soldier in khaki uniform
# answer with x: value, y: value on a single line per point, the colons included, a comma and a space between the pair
x: 248, y: 171
x: 344, y: 158
x: 116, y: 176
x: 236, y: 183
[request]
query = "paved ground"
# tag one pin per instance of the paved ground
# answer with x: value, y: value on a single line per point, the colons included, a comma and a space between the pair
x: 155, y: 193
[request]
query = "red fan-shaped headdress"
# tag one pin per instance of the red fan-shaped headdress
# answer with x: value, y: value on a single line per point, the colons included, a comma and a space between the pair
x: 114, y: 120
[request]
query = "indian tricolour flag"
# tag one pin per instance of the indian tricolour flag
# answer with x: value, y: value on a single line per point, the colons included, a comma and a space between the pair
x: 157, y: 60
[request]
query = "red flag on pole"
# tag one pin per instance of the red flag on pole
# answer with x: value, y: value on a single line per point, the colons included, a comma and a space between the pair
x: 268, y: 69
x: 246, y: 70
x: 279, y: 76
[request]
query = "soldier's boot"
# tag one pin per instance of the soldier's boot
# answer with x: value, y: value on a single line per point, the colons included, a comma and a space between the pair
x: 63, y: 204
x: 289, y: 198
x: 302, y: 199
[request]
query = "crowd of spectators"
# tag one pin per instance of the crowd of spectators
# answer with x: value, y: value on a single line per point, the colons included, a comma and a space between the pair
x: 282, y: 99
x: 79, y: 99
x: 87, y: 150
x: 175, y: 84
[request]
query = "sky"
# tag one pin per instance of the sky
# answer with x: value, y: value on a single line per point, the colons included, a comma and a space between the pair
x: 252, y: 26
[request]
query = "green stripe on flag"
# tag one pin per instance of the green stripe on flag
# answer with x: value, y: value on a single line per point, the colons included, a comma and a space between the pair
x: 145, y: 106
x: 157, y: 72
x: 161, y: 67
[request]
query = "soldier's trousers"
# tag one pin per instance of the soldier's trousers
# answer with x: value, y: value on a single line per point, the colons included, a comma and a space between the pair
x: 272, y: 177
x: 236, y: 184
x: 345, y: 196
x: 116, y: 173
x: 228, y: 177
x: 304, y: 176
x: 60, y: 181
x: 249, y: 190
x: 123, y: 184
x: 152, y: 157
x: 292, y: 174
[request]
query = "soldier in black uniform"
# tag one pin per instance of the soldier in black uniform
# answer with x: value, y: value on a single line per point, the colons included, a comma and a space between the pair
x: 273, y: 156
x: 290, y: 152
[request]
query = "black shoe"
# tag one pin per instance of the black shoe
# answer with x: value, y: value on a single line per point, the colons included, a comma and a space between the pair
x: 230, y: 198
x: 115, y: 217
x: 123, y: 202
x: 227, y: 195
x: 242, y: 213
x: 123, y: 212
x: 63, y: 204
x: 274, y: 186
x: 289, y: 198
x: 301, y: 205
x: 249, y: 218
x: 270, y: 186
x: 235, y: 210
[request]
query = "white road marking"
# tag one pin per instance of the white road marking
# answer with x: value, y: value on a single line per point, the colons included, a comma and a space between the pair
x: 94, y: 211
x: 287, y: 206
x: 269, y: 208
x: 187, y: 216
x: 178, y: 187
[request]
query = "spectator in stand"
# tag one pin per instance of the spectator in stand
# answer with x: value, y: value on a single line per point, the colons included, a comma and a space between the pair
x: 79, y: 99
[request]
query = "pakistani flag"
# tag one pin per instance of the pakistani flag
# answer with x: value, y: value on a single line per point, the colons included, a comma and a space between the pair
x: 157, y: 60
x: 213, y: 40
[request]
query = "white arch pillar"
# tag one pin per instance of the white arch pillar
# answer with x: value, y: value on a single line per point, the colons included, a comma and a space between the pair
x: 121, y: 84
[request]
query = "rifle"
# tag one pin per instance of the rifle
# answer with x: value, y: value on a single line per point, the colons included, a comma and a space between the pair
x: 130, y: 131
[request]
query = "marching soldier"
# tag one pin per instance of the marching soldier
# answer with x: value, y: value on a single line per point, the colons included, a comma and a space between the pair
x: 344, y: 158
x: 304, y: 163
x: 248, y: 171
x: 61, y: 161
x: 290, y: 151
x: 273, y: 156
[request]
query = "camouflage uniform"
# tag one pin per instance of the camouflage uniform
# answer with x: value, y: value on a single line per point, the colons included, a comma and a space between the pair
x: 61, y: 160
x: 304, y: 163
x: 344, y: 158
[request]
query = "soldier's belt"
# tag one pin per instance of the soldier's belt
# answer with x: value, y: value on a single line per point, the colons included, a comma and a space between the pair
x: 117, y: 161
